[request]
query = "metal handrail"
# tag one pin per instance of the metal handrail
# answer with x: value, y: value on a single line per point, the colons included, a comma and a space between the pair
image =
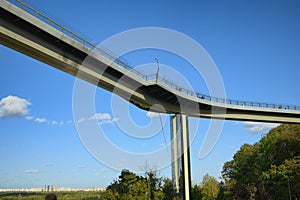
x: 78, y: 38
x: 126, y: 66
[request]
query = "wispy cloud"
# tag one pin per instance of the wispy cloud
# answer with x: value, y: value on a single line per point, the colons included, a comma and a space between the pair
x: 259, y: 127
x: 54, y: 122
x: 14, y: 107
x: 31, y: 171
x: 102, y: 118
x: 82, y: 119
x: 40, y: 120
x: 29, y: 117
x: 108, y: 121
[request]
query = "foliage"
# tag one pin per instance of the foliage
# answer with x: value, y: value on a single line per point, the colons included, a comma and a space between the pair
x: 210, y: 187
x: 269, y: 169
x: 196, y: 192
x: 131, y: 186
x: 167, y: 189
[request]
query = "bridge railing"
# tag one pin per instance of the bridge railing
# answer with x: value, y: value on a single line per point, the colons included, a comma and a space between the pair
x: 226, y: 101
x: 76, y: 37
x: 126, y: 66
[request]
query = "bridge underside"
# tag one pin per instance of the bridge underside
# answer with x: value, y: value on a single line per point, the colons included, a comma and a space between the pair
x: 31, y: 36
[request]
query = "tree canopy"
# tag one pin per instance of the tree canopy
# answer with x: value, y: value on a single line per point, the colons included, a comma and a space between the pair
x: 269, y: 169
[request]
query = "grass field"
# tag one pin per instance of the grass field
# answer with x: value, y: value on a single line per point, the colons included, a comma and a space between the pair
x: 41, y: 195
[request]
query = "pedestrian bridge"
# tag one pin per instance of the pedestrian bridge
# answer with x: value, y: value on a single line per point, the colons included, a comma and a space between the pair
x: 34, y: 34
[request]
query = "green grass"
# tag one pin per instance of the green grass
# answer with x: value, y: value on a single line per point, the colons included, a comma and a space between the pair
x: 41, y: 195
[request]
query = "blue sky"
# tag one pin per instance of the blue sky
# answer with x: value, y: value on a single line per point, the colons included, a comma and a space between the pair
x: 254, y: 44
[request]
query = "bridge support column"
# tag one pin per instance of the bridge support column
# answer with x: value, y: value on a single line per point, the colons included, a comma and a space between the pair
x: 181, y: 170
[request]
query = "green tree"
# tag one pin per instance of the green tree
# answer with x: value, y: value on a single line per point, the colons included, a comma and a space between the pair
x: 244, y: 169
x: 281, y: 168
x: 268, y: 169
x: 196, y: 192
x: 221, y: 195
x: 210, y: 187
x: 167, y: 189
x: 109, y: 195
x: 154, y: 185
x: 130, y: 186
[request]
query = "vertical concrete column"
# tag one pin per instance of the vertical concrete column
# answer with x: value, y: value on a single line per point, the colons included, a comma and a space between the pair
x: 175, y: 156
x: 181, y: 173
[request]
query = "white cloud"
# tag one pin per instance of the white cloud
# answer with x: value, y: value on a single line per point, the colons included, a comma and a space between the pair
x: 108, y: 121
x: 82, y: 119
x: 54, y: 122
x: 29, y: 117
x: 258, y: 127
x: 101, y: 116
x: 152, y: 114
x: 44, y: 120
x: 32, y: 171
x: 40, y: 120
x: 16, y: 107
x: 13, y: 107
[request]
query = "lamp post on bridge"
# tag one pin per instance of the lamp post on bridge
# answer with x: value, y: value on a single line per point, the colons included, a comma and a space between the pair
x: 157, y: 69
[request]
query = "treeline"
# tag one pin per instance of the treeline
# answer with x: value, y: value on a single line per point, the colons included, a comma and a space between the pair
x: 268, y: 169
x: 150, y: 186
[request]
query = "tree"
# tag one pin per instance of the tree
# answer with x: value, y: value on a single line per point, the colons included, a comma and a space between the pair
x: 196, y: 192
x: 269, y: 169
x: 282, y: 167
x: 210, y: 187
x: 131, y: 186
x: 154, y: 184
x: 221, y: 195
x: 167, y: 189
x: 109, y: 195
